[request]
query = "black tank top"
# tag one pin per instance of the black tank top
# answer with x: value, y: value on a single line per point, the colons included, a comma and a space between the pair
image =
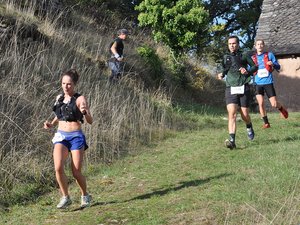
x: 120, y: 46
x: 68, y: 111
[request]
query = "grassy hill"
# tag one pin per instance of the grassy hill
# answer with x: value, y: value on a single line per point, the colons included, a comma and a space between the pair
x: 189, y: 178
x: 35, y: 50
x: 38, y: 45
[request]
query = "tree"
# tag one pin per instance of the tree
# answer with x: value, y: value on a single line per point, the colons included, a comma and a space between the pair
x: 238, y: 17
x: 180, y: 24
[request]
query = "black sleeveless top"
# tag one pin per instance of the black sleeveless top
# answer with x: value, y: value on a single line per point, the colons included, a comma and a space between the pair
x: 119, y: 47
x: 68, y: 111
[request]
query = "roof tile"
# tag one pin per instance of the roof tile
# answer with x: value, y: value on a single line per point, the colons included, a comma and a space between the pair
x: 279, y: 26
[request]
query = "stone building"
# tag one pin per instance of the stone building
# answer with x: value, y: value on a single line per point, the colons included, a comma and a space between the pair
x: 279, y: 26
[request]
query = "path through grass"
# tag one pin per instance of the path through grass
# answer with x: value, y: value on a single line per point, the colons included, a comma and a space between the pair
x: 190, y: 178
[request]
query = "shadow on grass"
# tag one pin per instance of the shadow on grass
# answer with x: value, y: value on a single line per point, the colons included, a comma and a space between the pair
x: 94, y: 204
x: 184, y: 184
x: 272, y: 141
x: 289, y: 138
x: 292, y: 138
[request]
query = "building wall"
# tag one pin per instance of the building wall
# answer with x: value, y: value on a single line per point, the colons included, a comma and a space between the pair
x: 287, y: 83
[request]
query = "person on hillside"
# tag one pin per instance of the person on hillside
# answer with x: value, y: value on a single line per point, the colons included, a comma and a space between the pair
x: 71, y: 109
x: 237, y: 93
x: 116, y: 62
x: 263, y: 80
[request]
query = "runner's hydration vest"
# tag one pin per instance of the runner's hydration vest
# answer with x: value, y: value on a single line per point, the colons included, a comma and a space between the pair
x: 266, y: 59
x: 233, y: 61
x: 68, y: 111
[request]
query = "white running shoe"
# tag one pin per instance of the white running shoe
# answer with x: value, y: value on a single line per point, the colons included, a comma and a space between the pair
x: 250, y: 133
x: 64, y: 202
x: 86, y: 200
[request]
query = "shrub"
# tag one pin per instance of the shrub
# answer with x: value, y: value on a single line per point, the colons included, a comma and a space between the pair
x: 152, y: 60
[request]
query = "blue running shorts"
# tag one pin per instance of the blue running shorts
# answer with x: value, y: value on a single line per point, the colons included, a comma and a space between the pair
x: 74, y: 140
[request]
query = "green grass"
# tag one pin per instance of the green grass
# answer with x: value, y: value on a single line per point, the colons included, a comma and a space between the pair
x: 189, y: 178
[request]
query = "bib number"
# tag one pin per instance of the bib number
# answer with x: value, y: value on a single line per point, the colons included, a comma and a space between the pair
x: 262, y: 73
x: 58, y: 137
x: 237, y: 90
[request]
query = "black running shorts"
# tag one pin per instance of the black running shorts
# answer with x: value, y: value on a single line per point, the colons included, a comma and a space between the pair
x: 268, y: 88
x: 242, y: 100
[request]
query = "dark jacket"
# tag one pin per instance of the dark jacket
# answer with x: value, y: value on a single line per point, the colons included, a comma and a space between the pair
x: 232, y: 62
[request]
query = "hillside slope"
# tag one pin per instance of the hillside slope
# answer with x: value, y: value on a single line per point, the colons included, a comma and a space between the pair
x: 35, y: 50
x: 38, y: 44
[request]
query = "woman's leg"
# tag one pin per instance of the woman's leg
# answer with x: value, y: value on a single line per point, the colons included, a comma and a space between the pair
x: 76, y: 164
x: 60, y: 155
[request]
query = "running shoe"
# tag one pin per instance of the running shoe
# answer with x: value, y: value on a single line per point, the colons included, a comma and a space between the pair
x: 284, y: 113
x: 229, y: 144
x: 250, y: 133
x: 65, y: 201
x: 86, y: 201
x: 266, y: 125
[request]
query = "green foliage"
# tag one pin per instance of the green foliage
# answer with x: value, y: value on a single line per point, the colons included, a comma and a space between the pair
x: 179, y: 73
x: 231, y: 17
x: 200, y: 77
x: 178, y: 24
x: 152, y: 59
x: 247, y: 18
x: 145, y: 51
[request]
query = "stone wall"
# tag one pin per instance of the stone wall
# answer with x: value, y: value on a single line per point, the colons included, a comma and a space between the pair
x: 287, y: 83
